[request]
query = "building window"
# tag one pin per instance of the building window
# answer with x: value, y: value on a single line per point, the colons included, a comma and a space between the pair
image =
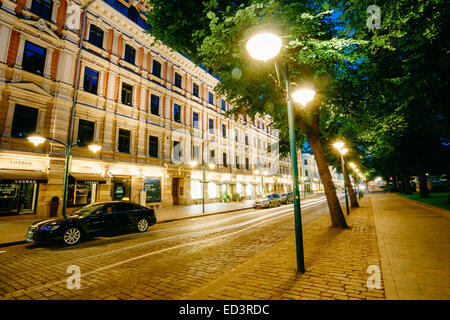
x: 211, y: 126
x: 154, y: 104
x: 42, y: 8
x: 127, y: 94
x: 224, y: 159
x: 224, y: 131
x: 195, y: 120
x: 196, y: 153
x: 130, y: 54
x: 306, y: 172
x: 85, y: 132
x: 306, y: 162
x: 236, y: 135
x: 96, y: 36
x: 177, y: 113
x: 177, y: 80
x: 176, y: 151
x: 153, y: 147
x: 33, y: 58
x: 223, y: 105
x: 124, y: 140
x: 90, y: 80
x: 237, y: 162
x: 247, y: 164
x: 156, y: 69
x: 246, y: 139
x: 133, y: 14
x: 195, y: 90
x: 24, y: 121
x: 210, y: 98
x: 212, y: 155
x: 196, y: 189
x: 79, y: 193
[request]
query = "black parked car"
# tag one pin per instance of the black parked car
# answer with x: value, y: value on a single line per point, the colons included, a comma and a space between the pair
x: 287, y: 198
x: 93, y: 220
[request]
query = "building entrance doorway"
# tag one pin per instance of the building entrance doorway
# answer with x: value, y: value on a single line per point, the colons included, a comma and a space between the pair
x: 175, y: 192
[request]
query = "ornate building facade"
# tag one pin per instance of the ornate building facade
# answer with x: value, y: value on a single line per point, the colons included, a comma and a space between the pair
x: 151, y: 110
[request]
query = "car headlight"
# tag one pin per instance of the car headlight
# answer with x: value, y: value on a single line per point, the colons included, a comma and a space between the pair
x: 51, y: 227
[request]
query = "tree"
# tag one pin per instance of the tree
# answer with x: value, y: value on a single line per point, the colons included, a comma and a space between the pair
x: 310, y: 55
x: 402, y: 85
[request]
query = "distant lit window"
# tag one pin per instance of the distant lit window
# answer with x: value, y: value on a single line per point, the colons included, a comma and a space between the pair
x: 195, y: 120
x: 210, y: 98
x: 195, y: 90
x: 90, y: 80
x: 42, y: 8
x: 130, y: 54
x: 156, y: 69
x: 85, y: 132
x: 24, y: 121
x: 154, y: 104
x: 127, y: 94
x: 96, y: 36
x: 177, y: 80
x: 124, y: 141
x: 33, y: 58
x: 177, y: 113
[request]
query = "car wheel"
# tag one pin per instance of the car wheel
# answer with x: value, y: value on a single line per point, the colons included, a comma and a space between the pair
x: 142, y: 225
x: 72, y: 236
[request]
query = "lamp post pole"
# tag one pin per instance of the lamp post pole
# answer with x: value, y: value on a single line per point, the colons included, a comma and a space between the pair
x: 297, y: 209
x: 345, y: 183
x: 203, y: 188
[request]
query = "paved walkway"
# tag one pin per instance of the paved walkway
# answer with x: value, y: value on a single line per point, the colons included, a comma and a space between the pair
x: 414, y: 243
x: 336, y: 262
x: 408, y: 241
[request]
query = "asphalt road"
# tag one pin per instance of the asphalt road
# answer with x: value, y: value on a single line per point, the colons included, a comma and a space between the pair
x: 169, y: 261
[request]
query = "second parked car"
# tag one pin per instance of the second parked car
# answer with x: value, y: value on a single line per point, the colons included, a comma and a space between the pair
x: 287, y: 198
x: 93, y: 220
x: 267, y: 201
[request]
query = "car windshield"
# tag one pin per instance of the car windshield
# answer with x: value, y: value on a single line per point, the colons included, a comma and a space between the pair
x: 86, y: 210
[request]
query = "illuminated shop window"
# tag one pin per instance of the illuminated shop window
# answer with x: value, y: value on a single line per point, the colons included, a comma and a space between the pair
x: 196, y: 189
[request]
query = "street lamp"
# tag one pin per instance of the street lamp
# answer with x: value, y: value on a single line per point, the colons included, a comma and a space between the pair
x: 210, y: 165
x: 265, y: 46
x: 37, y: 140
x: 339, y: 145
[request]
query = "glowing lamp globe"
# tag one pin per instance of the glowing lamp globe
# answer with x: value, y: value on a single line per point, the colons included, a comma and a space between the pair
x: 303, y: 96
x: 95, y: 148
x: 264, y: 46
x: 36, y: 140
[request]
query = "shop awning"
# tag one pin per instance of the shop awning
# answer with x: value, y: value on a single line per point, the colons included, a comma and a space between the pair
x: 22, y: 176
x: 87, y: 178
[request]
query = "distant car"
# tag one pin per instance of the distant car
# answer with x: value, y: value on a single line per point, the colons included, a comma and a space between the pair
x: 267, y: 201
x: 287, y: 198
x: 93, y: 220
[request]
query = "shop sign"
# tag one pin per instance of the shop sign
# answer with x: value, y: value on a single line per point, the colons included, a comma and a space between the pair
x: 8, y: 191
x: 23, y: 164
x: 152, y: 189
x: 91, y: 181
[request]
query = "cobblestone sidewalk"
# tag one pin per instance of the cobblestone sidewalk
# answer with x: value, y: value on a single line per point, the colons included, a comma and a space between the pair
x: 336, y: 266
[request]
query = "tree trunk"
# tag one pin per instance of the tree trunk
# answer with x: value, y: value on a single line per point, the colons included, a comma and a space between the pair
x: 406, y: 183
x: 424, y: 192
x: 337, y: 217
x: 351, y: 192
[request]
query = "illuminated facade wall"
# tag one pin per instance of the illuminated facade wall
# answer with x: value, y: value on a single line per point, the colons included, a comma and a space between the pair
x: 121, y: 76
